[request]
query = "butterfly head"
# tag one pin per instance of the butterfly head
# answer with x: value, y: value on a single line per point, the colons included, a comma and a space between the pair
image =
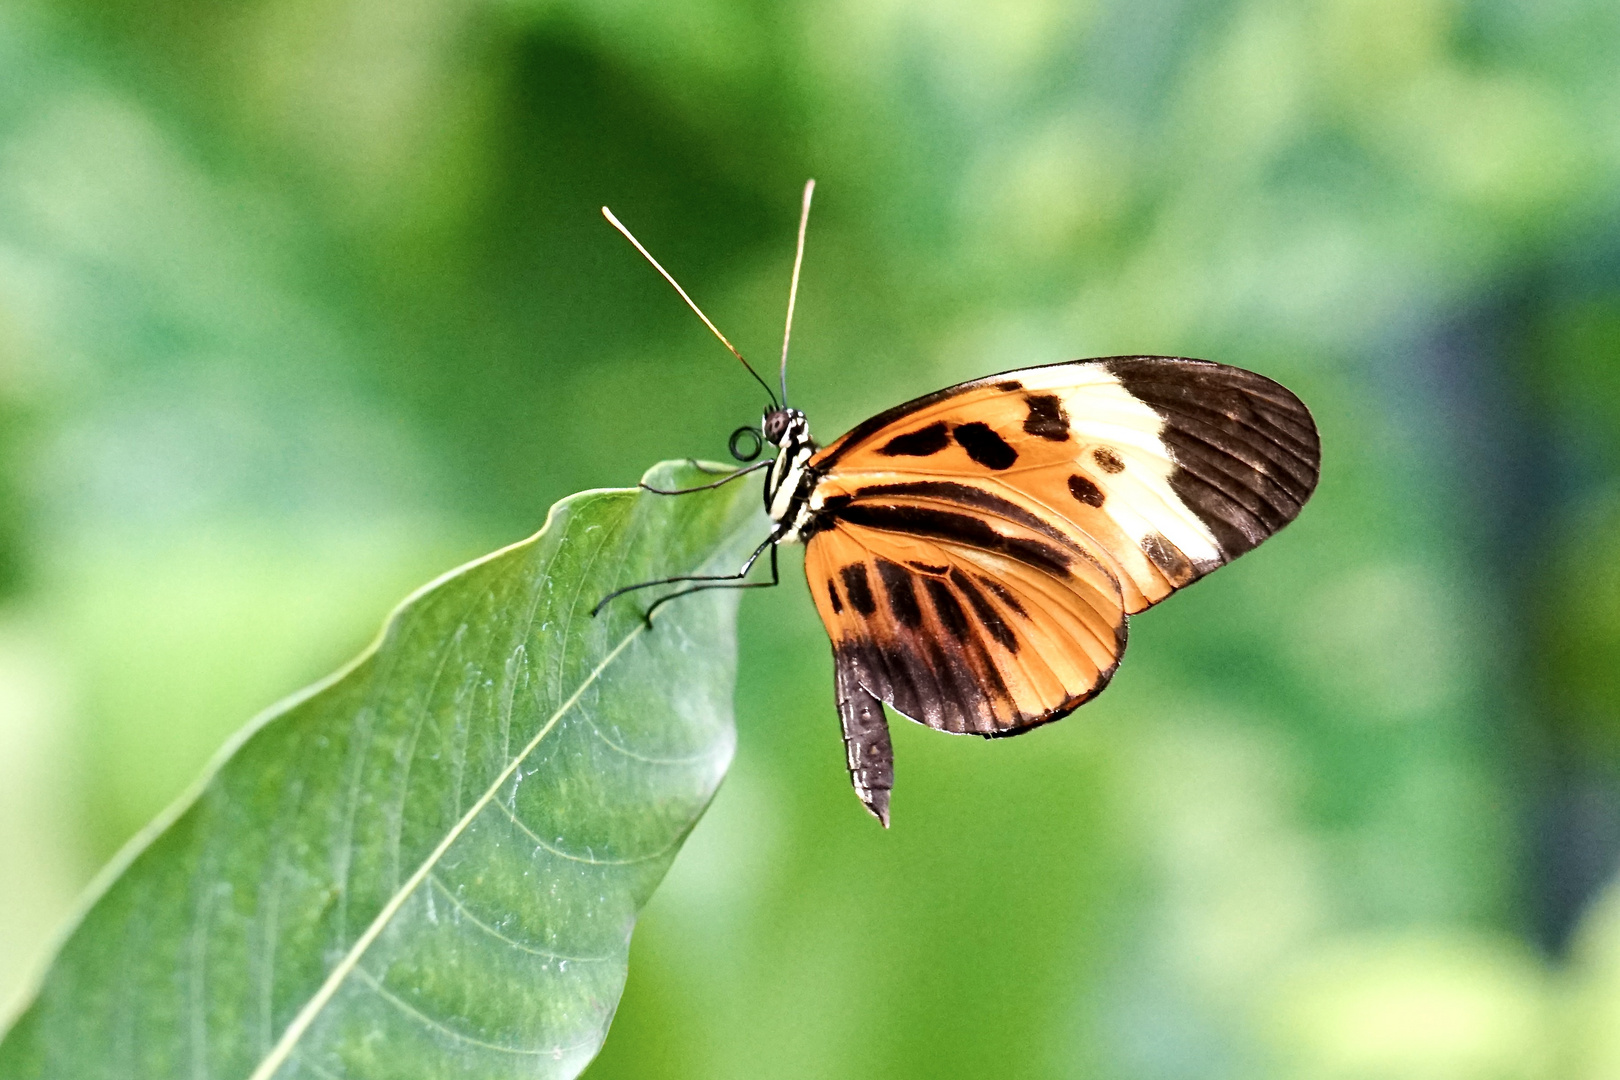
x: 785, y: 426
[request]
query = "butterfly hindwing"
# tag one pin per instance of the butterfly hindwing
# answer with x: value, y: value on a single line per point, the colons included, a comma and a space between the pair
x: 964, y: 639
x: 959, y: 632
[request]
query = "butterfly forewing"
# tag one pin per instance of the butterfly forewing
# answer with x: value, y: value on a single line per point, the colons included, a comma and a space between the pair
x: 1161, y: 468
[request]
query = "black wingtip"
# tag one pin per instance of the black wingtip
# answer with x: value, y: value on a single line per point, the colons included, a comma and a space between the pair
x: 1246, y: 449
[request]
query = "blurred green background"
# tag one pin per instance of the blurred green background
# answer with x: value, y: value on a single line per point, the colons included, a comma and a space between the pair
x: 303, y: 301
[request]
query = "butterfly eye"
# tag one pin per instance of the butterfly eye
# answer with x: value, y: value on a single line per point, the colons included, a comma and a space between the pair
x: 746, y: 443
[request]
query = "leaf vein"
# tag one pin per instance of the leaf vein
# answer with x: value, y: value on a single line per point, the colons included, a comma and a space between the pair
x: 292, y: 798
x: 358, y: 751
x: 587, y: 859
x: 460, y: 1036
x: 397, y: 826
x: 688, y: 759
x: 434, y: 879
x: 319, y: 1069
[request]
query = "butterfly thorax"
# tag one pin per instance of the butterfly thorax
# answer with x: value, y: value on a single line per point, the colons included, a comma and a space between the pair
x: 788, y: 479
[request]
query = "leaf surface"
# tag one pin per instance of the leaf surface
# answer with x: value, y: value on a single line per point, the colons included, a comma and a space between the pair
x: 430, y: 864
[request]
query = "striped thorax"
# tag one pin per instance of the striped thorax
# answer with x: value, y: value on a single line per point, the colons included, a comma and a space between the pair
x: 788, y: 479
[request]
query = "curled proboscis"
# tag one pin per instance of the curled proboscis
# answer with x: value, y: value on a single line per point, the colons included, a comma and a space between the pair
x: 746, y: 443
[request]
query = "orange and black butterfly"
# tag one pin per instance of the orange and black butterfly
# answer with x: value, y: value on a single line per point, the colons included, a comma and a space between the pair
x: 974, y: 554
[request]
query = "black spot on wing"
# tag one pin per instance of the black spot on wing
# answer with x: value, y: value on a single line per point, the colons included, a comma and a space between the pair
x: 858, y: 588
x: 986, y: 612
x: 1047, y: 418
x: 927, y: 568
x: 920, y: 443
x: 1085, y: 491
x: 834, y: 503
x: 832, y: 595
x: 902, y: 593
x: 1008, y: 386
x: 1108, y: 461
x: 945, y: 605
x: 1004, y: 594
x: 1246, y: 450
x: 958, y: 528
x: 984, y: 446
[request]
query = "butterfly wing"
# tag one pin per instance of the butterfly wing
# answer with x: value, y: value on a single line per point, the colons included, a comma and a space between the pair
x: 976, y: 551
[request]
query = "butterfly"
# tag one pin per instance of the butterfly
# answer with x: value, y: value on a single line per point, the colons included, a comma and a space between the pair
x: 975, y: 554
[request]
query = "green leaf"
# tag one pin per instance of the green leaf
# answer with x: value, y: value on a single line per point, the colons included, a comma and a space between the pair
x: 430, y: 864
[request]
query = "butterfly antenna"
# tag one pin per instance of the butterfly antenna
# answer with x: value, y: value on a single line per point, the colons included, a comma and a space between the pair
x: 793, y: 290
x: 617, y: 224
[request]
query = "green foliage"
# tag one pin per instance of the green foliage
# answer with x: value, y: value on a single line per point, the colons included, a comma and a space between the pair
x: 289, y: 287
x: 429, y: 864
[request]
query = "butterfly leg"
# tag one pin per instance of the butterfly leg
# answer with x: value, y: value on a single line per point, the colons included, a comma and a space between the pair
x: 775, y: 580
x: 702, y: 468
x: 866, y: 738
x: 706, y: 487
x: 769, y: 542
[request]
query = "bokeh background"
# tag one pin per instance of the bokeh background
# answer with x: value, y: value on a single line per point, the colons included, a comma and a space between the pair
x: 303, y: 301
